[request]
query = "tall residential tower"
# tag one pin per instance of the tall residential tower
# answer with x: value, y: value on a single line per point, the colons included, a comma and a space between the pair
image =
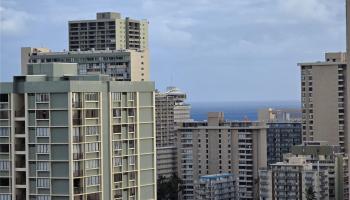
x: 65, y: 136
x: 108, y: 31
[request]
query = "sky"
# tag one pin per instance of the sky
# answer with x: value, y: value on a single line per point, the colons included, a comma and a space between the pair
x: 215, y: 50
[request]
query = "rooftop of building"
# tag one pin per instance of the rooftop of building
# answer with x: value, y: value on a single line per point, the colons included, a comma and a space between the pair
x: 216, y: 120
x: 49, y: 52
x: 331, y: 58
x: 103, y: 16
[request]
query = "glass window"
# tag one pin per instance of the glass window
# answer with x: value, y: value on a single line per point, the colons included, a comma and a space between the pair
x: 92, y: 130
x: 92, y: 164
x: 4, y: 131
x: 116, y: 96
x: 92, y: 147
x: 42, y: 148
x: 42, y: 114
x: 93, y: 96
x: 42, y: 132
x: 5, y: 197
x: 43, y: 183
x: 91, y: 113
x: 4, y: 165
x: 92, y: 180
x: 42, y: 97
x: 43, y: 197
x: 42, y: 166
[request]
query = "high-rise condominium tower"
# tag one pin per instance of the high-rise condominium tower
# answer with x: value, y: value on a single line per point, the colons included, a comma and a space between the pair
x: 65, y: 136
x: 108, y: 31
x: 217, y: 146
x: 324, y: 87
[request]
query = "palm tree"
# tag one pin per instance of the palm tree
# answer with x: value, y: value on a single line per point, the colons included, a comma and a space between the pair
x: 310, y: 194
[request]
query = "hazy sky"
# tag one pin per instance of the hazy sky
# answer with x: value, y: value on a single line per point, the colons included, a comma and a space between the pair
x: 215, y: 50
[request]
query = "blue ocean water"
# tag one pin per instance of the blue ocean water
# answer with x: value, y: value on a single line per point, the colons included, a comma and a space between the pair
x: 237, y: 110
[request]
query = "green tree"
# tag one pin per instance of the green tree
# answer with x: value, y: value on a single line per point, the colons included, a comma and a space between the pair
x: 310, y: 194
x: 168, y: 188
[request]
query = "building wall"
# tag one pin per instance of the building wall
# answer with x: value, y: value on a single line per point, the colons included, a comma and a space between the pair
x: 122, y: 65
x: 66, y: 132
x: 108, y: 32
x: 218, y: 146
x: 323, y: 102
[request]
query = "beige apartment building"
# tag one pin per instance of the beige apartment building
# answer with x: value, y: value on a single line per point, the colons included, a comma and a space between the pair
x: 323, y: 92
x: 217, y: 146
x: 121, y: 65
x: 108, y: 31
x: 65, y: 136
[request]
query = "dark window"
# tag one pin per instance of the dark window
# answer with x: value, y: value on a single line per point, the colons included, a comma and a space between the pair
x: 4, y: 98
x: 42, y: 114
x: 4, y: 182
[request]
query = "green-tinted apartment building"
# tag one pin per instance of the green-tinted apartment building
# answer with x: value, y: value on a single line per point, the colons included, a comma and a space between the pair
x: 65, y: 136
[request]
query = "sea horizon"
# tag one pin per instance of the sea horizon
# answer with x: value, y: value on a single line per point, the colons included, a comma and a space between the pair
x: 238, y: 110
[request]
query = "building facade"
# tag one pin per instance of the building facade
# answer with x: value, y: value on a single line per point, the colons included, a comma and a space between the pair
x: 216, y: 187
x: 217, y: 146
x: 165, y: 135
x: 284, y: 131
x: 121, y: 65
x: 281, y: 137
x: 182, y: 110
x: 325, y: 164
x: 66, y: 136
x: 323, y: 93
x: 290, y: 180
x: 108, y: 31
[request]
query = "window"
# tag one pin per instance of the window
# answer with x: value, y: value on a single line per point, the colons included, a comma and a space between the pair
x: 4, y: 114
x: 42, y: 132
x: 131, y: 112
x: 92, y: 164
x: 43, y: 197
x: 117, y: 145
x: 42, y: 166
x: 42, y: 97
x: 92, y: 147
x: 5, y: 197
x: 4, y: 165
x: 42, y: 114
x: 4, y: 98
x: 91, y: 96
x: 92, y: 130
x: 116, y: 96
x: 117, y: 162
x: 92, y: 180
x: 76, y: 100
x: 117, y: 129
x: 42, y: 148
x: 4, y: 148
x: 131, y: 96
x: 117, y: 113
x: 132, y: 160
x: 92, y: 113
x: 4, y: 131
x: 42, y: 183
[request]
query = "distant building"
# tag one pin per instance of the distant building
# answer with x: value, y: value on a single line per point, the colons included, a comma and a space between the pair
x: 279, y: 115
x: 182, y: 110
x: 165, y: 135
x: 108, y: 31
x: 323, y: 96
x: 281, y: 137
x: 217, y: 146
x: 121, y: 65
x: 325, y: 164
x: 170, y: 108
x: 66, y: 136
x: 290, y: 180
x: 217, y: 187
x: 284, y: 131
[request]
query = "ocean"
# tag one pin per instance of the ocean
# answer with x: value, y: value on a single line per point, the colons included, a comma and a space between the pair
x: 237, y: 110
